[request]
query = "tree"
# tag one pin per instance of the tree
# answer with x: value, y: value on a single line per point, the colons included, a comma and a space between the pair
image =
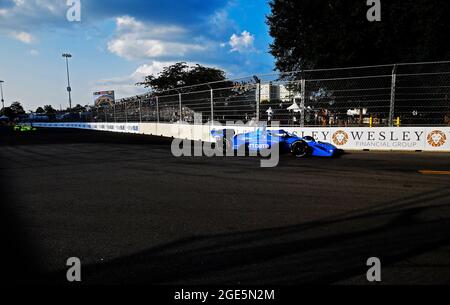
x: 13, y: 111
x: 7, y: 112
x: 40, y: 110
x: 50, y: 112
x: 49, y: 109
x: 336, y: 33
x: 182, y: 75
x: 17, y: 108
x: 78, y: 108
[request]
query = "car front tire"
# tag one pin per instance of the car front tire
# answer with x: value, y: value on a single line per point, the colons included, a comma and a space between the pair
x: 300, y: 149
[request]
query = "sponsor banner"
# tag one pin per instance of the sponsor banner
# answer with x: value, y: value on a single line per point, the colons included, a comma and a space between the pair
x: 381, y: 138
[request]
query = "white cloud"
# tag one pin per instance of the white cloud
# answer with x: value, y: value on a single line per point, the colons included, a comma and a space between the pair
x: 127, y: 24
x: 23, y: 17
x: 19, y: 2
x: 34, y: 52
x: 22, y: 37
x: 242, y: 43
x: 150, y: 69
x: 138, y: 40
x: 131, y: 48
x: 220, y: 19
x: 26, y: 14
x: 221, y: 23
x: 32, y: 7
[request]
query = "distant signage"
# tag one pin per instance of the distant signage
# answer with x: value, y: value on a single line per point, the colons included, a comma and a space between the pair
x: 104, y: 98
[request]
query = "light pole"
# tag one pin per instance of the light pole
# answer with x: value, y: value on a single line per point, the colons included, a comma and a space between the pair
x: 69, y: 89
x: 1, y: 89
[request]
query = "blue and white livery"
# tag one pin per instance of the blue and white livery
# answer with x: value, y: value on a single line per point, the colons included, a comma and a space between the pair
x: 263, y: 139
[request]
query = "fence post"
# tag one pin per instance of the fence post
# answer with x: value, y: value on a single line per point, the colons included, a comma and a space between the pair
x: 157, y: 109
x: 179, y: 100
x: 258, y: 100
x: 126, y: 115
x: 140, y: 111
x: 106, y: 115
x: 302, y: 102
x: 212, y: 106
x: 114, y: 112
x: 392, y: 104
x: 290, y: 120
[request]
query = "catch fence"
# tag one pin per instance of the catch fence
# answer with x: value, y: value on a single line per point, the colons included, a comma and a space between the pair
x: 386, y: 95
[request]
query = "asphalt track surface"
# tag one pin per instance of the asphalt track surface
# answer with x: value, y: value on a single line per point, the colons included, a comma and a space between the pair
x: 133, y: 213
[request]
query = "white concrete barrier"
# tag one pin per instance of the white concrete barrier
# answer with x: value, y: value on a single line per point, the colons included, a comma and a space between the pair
x: 347, y: 138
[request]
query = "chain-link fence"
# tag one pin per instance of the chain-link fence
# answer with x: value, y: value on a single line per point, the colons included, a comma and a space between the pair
x: 386, y: 95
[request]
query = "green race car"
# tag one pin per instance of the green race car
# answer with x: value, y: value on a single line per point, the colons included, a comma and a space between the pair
x: 24, y: 128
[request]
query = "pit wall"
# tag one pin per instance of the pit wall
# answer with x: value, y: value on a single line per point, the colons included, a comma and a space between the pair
x: 347, y: 138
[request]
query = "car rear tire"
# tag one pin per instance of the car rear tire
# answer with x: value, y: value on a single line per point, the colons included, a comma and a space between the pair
x: 300, y: 149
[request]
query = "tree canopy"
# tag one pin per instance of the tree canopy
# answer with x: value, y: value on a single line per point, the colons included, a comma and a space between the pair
x: 49, y: 109
x: 182, y: 75
x: 13, y: 111
x: 78, y: 108
x: 336, y: 33
x: 17, y: 108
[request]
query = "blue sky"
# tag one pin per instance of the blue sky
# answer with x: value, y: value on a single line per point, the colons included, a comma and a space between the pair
x: 118, y: 42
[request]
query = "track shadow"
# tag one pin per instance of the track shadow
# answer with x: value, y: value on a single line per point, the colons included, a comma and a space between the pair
x: 45, y: 136
x: 317, y: 252
x: 19, y: 257
x: 324, y: 251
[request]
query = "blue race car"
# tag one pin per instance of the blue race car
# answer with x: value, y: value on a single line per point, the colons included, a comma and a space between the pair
x: 262, y: 139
